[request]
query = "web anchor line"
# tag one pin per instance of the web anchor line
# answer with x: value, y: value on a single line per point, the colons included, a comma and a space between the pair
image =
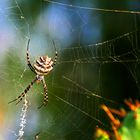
x: 80, y: 110
x: 88, y: 91
x: 92, y: 8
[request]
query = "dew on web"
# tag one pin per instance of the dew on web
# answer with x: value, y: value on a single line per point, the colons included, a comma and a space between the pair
x: 98, y: 63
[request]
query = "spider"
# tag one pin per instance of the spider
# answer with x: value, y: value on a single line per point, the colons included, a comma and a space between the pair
x: 41, y: 68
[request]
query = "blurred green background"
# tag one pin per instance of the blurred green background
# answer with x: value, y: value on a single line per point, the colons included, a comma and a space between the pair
x: 98, y: 64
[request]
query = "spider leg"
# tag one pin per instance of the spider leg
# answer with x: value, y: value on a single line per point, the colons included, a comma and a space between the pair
x: 20, y: 97
x: 28, y: 58
x: 45, y: 94
x: 56, y: 54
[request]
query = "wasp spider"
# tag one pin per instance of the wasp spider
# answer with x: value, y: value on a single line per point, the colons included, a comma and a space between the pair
x: 41, y: 68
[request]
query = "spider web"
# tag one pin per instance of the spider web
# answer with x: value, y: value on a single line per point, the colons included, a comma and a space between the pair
x: 98, y: 64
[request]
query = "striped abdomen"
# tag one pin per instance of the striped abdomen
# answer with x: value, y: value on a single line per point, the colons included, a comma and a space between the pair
x: 43, y: 65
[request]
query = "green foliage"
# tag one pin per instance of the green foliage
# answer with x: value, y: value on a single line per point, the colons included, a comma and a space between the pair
x: 101, y: 134
x: 129, y: 129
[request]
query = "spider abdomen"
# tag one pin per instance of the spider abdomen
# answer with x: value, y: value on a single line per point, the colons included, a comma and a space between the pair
x: 43, y: 65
